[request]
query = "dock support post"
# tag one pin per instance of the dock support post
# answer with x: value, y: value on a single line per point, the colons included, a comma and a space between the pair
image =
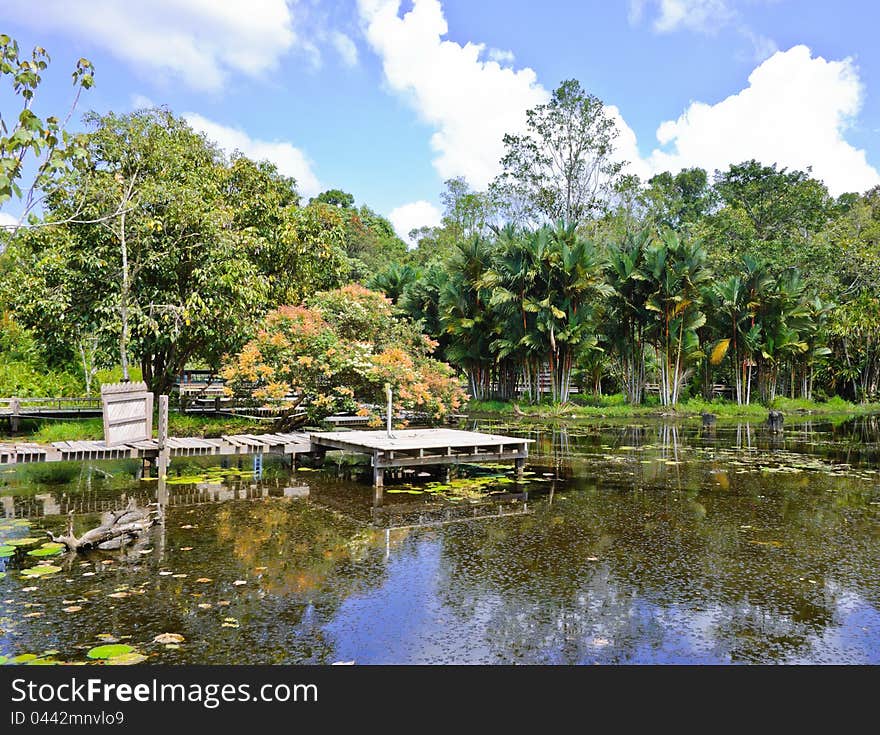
x: 520, y: 467
x: 164, y: 452
x: 378, y: 476
x: 14, y: 416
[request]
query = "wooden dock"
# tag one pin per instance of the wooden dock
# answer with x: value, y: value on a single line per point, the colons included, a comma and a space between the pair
x: 421, y: 447
x: 404, y: 448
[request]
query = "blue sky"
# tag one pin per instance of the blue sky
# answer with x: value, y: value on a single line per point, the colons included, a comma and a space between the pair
x: 386, y: 99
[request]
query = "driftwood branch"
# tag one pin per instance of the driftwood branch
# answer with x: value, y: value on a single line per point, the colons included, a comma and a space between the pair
x: 117, y: 529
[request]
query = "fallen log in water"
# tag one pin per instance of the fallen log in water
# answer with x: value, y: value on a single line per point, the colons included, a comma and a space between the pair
x: 117, y: 529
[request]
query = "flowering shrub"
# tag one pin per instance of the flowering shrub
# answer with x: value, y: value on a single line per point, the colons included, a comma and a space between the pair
x: 339, y: 352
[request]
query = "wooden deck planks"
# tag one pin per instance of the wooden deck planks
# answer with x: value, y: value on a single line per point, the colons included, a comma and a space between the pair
x: 414, y: 439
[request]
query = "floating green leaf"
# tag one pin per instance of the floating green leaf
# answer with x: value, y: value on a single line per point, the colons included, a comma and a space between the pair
x: 46, y: 550
x: 23, y: 658
x: 6, y: 551
x: 27, y: 541
x: 126, y: 659
x: 109, y: 651
x: 40, y: 571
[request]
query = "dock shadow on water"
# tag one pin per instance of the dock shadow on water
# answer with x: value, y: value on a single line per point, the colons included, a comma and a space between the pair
x: 649, y: 543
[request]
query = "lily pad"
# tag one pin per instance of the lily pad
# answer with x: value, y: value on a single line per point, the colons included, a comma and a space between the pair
x: 23, y: 658
x: 40, y: 571
x: 109, y: 651
x: 46, y: 550
x: 2, y: 574
x: 126, y: 659
x: 6, y: 551
x: 26, y: 541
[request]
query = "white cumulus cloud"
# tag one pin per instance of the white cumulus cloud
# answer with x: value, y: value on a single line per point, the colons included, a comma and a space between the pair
x: 502, y: 56
x: 697, y: 15
x: 414, y: 215
x: 199, y: 41
x: 794, y: 112
x: 290, y: 160
x: 141, y: 102
x: 470, y: 101
x: 345, y: 47
x: 7, y: 221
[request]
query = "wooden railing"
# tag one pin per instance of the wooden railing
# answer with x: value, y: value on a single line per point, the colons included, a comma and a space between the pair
x: 49, y: 405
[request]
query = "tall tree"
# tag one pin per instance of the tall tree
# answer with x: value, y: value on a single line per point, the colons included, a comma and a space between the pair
x: 679, y: 201
x: 170, y: 275
x: 562, y: 166
x: 766, y: 212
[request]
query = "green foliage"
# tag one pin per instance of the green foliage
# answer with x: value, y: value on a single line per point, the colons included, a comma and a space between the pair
x: 27, y: 137
x: 336, y: 198
x: 26, y: 380
x: 679, y: 201
x: 767, y: 213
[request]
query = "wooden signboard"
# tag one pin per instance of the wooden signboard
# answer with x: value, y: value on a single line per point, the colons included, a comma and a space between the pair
x: 128, y: 413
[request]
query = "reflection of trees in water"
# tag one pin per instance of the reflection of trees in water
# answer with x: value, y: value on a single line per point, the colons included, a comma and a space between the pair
x: 675, y: 572
x: 301, y: 563
x: 308, y: 560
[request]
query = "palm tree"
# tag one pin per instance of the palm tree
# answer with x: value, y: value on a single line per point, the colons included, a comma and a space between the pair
x: 784, y: 316
x: 465, y: 314
x: 420, y: 301
x: 817, y: 349
x: 509, y: 280
x: 393, y: 280
x: 675, y: 269
x: 568, y: 286
x: 624, y: 329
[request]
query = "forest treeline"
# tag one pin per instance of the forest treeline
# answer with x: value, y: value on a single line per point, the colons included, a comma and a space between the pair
x: 142, y: 242
x: 755, y: 277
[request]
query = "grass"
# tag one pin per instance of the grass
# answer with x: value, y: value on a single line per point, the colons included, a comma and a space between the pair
x: 615, y: 406
x: 178, y: 425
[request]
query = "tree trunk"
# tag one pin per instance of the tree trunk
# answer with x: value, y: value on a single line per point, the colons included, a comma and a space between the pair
x: 117, y: 529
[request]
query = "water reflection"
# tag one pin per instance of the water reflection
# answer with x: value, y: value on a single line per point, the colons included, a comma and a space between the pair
x: 656, y: 542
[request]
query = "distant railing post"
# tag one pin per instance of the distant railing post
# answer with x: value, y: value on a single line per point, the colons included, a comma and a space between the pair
x: 15, y: 405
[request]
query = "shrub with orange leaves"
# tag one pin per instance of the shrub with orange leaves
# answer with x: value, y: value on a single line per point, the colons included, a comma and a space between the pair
x: 340, y: 351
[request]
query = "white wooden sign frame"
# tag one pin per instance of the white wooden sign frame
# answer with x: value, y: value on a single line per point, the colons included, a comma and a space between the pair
x: 127, y: 412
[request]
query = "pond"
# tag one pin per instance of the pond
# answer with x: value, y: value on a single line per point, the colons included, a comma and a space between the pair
x: 649, y: 543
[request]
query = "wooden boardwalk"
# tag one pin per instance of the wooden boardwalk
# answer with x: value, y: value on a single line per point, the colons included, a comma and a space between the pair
x: 78, y: 451
x: 405, y: 448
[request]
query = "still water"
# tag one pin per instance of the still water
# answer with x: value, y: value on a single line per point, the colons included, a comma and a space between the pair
x: 656, y: 543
